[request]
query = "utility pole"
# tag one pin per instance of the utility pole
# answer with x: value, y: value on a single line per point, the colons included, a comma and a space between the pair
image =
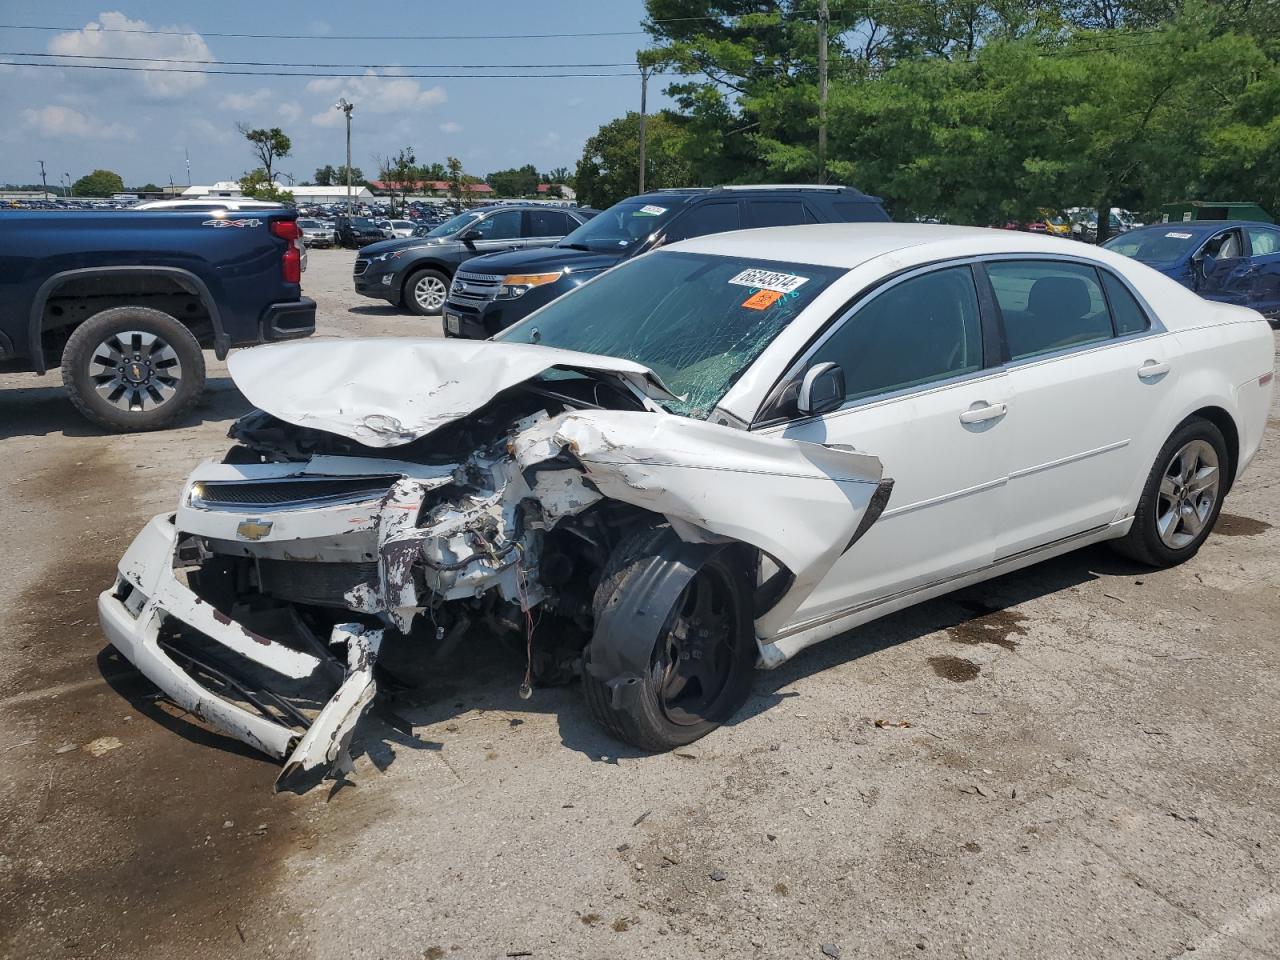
x: 824, y: 20
x: 188, y: 156
x: 70, y: 191
x: 644, y: 91
x: 44, y: 180
x: 347, y: 108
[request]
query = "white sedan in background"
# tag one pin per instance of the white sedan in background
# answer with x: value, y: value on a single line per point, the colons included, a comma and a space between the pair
x: 701, y: 461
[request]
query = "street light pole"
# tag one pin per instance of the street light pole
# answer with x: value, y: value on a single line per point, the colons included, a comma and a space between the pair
x: 346, y: 108
x: 44, y: 180
x: 824, y: 20
x: 644, y: 90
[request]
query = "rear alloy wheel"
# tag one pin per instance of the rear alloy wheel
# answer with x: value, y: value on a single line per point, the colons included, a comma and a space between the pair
x: 701, y: 662
x: 1182, y: 497
x: 425, y: 292
x: 133, y: 368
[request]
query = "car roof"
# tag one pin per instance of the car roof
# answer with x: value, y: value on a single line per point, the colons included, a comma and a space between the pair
x: 848, y: 245
x: 1199, y: 226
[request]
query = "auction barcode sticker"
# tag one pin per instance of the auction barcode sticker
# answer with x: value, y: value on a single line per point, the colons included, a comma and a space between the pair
x: 1179, y: 236
x: 769, y: 280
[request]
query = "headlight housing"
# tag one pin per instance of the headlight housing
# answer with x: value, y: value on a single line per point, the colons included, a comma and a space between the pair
x: 389, y: 255
x: 516, y: 285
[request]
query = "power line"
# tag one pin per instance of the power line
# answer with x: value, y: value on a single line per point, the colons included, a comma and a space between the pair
x: 273, y: 63
x: 278, y: 73
x: 330, y: 36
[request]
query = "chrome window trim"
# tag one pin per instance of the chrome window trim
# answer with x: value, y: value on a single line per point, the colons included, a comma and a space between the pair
x: 1155, y: 328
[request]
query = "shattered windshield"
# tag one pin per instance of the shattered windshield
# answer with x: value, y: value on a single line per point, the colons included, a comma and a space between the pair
x: 696, y: 320
x: 620, y: 229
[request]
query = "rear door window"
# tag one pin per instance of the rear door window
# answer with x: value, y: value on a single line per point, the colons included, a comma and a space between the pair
x: 1263, y: 241
x: 1049, y: 305
x: 547, y: 223
x: 704, y: 219
x: 850, y: 212
x: 775, y: 213
x: 1128, y: 315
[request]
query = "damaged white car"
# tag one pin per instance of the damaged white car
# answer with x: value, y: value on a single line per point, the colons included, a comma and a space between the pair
x: 657, y: 481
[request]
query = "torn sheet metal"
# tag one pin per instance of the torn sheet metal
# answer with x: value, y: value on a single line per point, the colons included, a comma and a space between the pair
x: 385, y: 394
x: 325, y: 745
x: 799, y: 502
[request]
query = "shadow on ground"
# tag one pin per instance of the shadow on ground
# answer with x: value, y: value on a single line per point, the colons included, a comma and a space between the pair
x: 45, y: 410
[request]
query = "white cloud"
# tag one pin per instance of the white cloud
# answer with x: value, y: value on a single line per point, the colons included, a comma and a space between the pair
x: 246, y: 101
x: 376, y: 93
x: 164, y: 83
x: 63, y: 123
x: 450, y: 126
x: 289, y: 111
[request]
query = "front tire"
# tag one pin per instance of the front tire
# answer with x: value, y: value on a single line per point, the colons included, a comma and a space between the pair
x: 1182, y: 497
x: 130, y: 369
x: 702, y: 660
x: 425, y: 292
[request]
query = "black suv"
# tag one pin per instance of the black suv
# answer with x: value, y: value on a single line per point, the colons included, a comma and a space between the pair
x: 496, y: 291
x: 415, y: 272
x: 356, y: 231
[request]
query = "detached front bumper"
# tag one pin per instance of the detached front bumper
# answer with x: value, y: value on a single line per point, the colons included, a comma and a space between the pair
x: 147, y: 593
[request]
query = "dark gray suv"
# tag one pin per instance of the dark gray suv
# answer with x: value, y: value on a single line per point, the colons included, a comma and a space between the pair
x: 415, y: 272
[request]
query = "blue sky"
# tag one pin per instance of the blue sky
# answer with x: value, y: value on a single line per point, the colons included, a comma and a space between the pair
x: 139, y: 124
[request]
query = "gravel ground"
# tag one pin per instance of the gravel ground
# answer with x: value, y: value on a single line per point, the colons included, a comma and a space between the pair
x: 1077, y: 760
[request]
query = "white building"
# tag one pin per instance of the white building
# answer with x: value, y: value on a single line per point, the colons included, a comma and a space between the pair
x: 303, y: 195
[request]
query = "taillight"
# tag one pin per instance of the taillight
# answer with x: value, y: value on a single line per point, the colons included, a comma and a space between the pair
x: 291, y: 264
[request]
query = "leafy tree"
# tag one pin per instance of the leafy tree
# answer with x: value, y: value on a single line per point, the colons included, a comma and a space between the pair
x: 559, y: 175
x: 610, y: 166
x: 325, y: 176
x: 399, y: 173
x: 267, y: 146
x: 147, y: 187
x: 100, y: 183
x: 431, y: 171
x: 457, y: 180
x: 258, y: 186
x: 519, y: 182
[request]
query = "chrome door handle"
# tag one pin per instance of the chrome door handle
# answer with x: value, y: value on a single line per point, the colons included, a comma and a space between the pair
x: 983, y: 411
x: 1153, y: 368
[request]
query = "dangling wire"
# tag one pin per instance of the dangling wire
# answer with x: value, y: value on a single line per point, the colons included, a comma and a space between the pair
x: 526, y: 688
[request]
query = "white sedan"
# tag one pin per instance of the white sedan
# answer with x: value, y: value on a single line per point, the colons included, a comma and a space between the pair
x: 697, y: 463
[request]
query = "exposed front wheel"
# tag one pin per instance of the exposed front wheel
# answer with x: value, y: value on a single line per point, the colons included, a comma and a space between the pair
x: 132, y: 369
x: 1182, y: 497
x: 425, y: 292
x: 695, y: 669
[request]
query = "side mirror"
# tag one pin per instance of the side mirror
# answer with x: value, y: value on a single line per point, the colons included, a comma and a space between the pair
x: 822, y: 389
x: 472, y: 234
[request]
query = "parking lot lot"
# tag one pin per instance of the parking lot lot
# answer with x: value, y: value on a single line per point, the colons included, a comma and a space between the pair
x: 1077, y: 760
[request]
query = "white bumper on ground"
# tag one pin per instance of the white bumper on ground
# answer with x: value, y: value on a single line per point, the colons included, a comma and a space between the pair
x: 148, y: 591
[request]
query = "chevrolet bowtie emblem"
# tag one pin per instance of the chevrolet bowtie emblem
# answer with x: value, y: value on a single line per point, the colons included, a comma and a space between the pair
x: 253, y: 529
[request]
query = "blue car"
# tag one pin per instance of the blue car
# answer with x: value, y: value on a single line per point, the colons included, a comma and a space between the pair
x: 1233, y: 261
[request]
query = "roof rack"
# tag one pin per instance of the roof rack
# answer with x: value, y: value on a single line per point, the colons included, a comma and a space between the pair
x: 785, y: 186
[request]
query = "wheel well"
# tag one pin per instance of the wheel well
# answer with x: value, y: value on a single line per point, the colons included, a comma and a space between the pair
x: 74, y: 299
x: 424, y: 265
x: 1223, y: 421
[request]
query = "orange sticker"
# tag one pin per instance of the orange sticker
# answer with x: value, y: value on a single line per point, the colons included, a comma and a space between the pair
x: 762, y: 300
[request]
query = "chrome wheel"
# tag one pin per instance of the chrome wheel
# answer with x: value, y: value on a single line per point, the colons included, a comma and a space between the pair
x: 429, y: 293
x: 135, y: 371
x: 1188, y: 493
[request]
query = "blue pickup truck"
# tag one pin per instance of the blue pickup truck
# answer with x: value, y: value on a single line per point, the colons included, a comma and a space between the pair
x: 123, y: 301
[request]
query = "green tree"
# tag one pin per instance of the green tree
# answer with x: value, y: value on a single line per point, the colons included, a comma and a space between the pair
x: 399, y: 173
x: 457, y: 180
x: 258, y: 186
x: 610, y: 166
x: 100, y: 183
x: 517, y: 182
x: 147, y: 187
x: 267, y: 146
x: 326, y: 176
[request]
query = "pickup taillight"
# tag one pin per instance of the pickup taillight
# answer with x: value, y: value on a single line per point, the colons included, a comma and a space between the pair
x: 291, y: 264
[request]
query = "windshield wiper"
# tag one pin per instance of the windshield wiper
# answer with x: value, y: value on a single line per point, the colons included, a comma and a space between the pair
x: 574, y: 246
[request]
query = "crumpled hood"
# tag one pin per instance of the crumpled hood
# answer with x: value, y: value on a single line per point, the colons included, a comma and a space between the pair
x: 391, y: 391
x: 541, y: 260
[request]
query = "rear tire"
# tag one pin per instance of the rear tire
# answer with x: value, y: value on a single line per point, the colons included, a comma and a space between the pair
x: 425, y: 292
x: 129, y: 369
x: 1182, y: 497
x: 702, y: 663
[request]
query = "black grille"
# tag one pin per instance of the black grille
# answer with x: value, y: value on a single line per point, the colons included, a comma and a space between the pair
x: 361, y: 266
x: 264, y: 493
